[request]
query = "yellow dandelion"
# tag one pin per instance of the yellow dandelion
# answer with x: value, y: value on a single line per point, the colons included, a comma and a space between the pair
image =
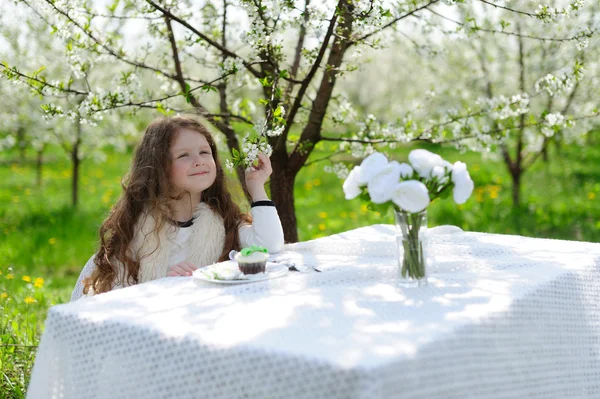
x: 353, y: 215
x: 38, y: 283
x: 16, y: 199
x: 4, y: 295
x: 322, y: 226
x: 363, y: 208
x: 65, y: 173
x: 99, y: 173
x: 322, y: 215
x: 317, y: 182
x: 27, y: 279
x: 9, y: 276
x: 343, y: 214
x: 0, y: 272
x: 14, y: 167
x: 28, y: 191
x: 29, y: 300
x: 493, y: 194
x: 308, y: 185
x: 591, y: 196
x: 52, y: 241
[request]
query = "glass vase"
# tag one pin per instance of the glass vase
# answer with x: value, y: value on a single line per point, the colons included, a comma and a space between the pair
x: 411, y: 241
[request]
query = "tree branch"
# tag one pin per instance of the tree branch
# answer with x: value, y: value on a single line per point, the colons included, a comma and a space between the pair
x: 207, y: 39
x: 509, y: 9
x: 462, y: 24
x: 44, y: 83
x: 408, y: 14
x: 311, y: 133
x: 99, y: 42
x: 306, y: 82
x: 298, y: 51
x: 323, y: 158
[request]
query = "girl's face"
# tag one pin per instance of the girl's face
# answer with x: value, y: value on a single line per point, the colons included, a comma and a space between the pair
x: 193, y: 168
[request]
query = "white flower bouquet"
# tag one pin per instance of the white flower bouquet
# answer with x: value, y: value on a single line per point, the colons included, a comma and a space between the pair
x: 408, y: 188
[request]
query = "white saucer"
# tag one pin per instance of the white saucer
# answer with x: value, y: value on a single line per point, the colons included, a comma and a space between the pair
x: 223, y: 269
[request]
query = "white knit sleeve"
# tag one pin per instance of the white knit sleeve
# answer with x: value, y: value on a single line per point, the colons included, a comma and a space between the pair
x: 265, y: 230
x: 87, y: 271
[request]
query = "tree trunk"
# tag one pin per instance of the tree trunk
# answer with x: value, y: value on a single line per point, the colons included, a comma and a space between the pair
x: 38, y: 167
x: 75, y: 181
x: 516, y: 188
x: 545, y: 151
x: 21, y: 144
x: 75, y: 160
x: 282, y: 192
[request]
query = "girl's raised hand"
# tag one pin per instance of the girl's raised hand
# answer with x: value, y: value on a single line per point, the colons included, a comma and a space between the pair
x: 256, y: 177
x: 181, y: 269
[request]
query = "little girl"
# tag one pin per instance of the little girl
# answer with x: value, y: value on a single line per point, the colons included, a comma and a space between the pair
x: 176, y: 214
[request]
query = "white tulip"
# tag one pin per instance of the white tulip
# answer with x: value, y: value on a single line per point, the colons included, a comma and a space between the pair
x: 406, y: 171
x: 460, y: 172
x: 411, y: 195
x: 370, y: 166
x: 424, y: 161
x: 381, y: 185
x: 463, y: 185
x: 351, y: 185
x: 463, y: 189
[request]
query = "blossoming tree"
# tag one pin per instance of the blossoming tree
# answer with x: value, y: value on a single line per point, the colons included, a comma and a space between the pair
x: 552, y: 78
x: 283, y: 58
x: 57, y: 118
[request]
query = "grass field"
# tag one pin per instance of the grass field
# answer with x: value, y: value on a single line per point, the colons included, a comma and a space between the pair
x: 44, y: 242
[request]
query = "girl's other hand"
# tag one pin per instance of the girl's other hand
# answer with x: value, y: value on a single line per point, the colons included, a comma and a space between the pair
x: 184, y: 269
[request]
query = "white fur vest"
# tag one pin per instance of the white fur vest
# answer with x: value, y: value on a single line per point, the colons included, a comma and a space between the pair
x: 206, y: 241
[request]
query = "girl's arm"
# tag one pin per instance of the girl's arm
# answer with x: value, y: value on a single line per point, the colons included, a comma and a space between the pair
x: 87, y: 271
x: 265, y: 230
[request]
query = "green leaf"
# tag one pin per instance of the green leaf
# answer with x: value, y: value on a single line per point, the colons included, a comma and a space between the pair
x: 386, y: 13
x: 188, y: 94
x: 207, y: 88
x: 263, y: 101
x: 264, y: 81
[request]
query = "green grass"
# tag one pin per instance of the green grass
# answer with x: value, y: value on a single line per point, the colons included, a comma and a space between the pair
x: 45, y: 241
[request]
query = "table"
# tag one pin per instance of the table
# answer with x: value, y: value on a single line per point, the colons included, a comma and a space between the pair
x: 502, y: 317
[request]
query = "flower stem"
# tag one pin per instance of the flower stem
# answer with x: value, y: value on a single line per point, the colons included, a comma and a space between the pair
x: 413, y: 261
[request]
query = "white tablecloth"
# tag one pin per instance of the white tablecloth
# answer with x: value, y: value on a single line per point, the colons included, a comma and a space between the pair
x: 503, y: 317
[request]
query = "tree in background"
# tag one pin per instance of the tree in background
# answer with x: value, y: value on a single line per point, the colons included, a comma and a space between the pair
x: 34, y: 123
x: 223, y: 57
x: 555, y: 77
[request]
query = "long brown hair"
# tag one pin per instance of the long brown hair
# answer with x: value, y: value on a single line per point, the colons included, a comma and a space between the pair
x: 147, y: 189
